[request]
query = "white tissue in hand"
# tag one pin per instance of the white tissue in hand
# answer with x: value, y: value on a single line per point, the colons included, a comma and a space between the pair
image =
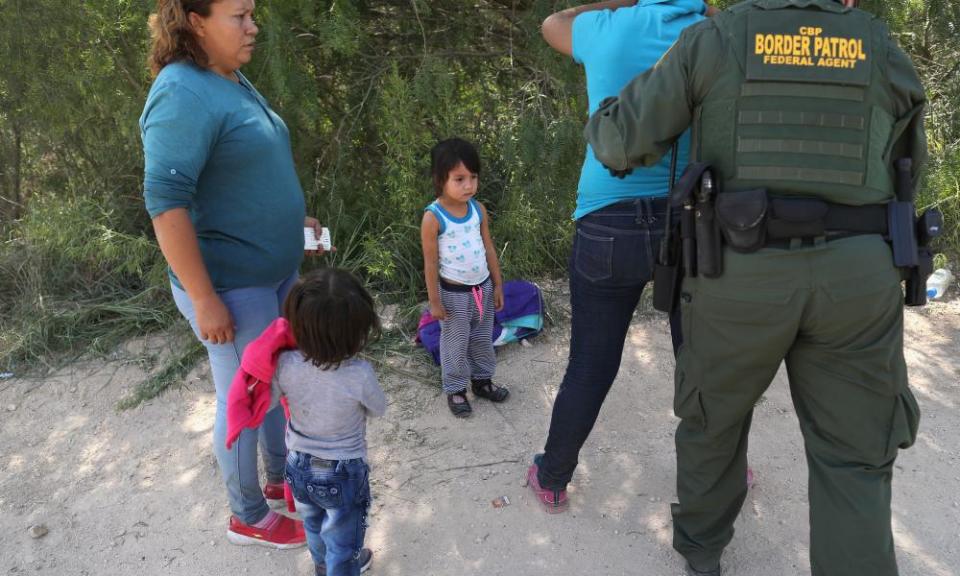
x: 311, y: 242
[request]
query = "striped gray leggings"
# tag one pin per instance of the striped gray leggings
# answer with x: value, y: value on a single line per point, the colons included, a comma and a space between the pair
x: 466, y: 336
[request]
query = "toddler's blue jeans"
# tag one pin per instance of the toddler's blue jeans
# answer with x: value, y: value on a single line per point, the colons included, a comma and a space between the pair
x: 333, y: 497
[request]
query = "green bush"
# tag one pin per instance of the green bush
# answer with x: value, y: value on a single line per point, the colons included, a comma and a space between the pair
x: 367, y: 87
x: 73, y: 279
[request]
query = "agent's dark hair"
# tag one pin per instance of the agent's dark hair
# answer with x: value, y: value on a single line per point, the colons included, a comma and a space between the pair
x: 172, y: 36
x: 332, y: 317
x: 446, y: 155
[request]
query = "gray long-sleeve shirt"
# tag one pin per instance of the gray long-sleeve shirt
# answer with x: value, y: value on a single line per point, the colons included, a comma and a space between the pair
x: 328, y: 408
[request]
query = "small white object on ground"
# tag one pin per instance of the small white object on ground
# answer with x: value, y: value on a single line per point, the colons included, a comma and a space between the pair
x: 38, y: 531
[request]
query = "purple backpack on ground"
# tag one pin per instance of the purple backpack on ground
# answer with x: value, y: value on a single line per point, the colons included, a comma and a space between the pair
x: 521, y: 318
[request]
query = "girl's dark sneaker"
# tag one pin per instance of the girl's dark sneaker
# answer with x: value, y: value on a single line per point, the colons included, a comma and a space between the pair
x: 459, y: 405
x: 485, y: 388
x: 554, y: 501
x: 366, y: 559
x: 691, y: 571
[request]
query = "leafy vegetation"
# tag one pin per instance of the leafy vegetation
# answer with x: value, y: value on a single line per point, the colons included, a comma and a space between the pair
x: 366, y: 86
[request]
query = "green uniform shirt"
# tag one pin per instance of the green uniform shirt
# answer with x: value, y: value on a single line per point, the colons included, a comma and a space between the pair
x: 762, y: 62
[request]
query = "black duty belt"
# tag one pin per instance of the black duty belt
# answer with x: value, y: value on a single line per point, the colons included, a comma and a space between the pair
x: 748, y: 220
x: 751, y: 219
x: 812, y: 218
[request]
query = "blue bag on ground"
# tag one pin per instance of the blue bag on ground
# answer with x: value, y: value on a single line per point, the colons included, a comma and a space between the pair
x: 521, y: 318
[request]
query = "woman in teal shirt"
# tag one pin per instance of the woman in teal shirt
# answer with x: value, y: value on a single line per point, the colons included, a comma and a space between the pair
x: 619, y: 223
x: 227, y: 208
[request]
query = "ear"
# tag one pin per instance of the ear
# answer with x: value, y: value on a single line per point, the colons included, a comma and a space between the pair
x: 196, y: 24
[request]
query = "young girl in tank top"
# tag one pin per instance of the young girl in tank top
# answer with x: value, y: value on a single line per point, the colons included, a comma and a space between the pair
x: 463, y: 276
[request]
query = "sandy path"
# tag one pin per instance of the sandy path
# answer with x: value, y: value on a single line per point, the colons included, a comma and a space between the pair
x: 138, y: 492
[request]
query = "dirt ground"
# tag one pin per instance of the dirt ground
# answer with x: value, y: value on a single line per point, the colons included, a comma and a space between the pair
x: 138, y: 492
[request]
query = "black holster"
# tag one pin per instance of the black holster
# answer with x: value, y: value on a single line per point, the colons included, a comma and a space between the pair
x: 928, y: 227
x: 709, y: 240
x: 910, y: 236
x: 678, y: 255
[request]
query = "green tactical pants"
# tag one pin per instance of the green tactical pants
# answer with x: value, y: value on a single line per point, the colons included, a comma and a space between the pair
x: 834, y: 313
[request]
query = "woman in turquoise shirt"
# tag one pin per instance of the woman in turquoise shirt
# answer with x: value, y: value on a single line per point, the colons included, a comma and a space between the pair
x: 619, y: 223
x: 227, y: 208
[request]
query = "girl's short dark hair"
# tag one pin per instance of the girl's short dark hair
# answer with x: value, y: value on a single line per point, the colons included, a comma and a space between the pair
x: 332, y: 316
x: 446, y: 155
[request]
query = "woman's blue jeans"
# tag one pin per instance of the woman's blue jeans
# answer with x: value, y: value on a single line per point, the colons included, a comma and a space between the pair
x: 253, y: 309
x: 613, y: 258
x: 333, y: 498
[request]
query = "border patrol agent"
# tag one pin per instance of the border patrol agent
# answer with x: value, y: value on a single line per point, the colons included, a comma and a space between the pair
x: 799, y: 107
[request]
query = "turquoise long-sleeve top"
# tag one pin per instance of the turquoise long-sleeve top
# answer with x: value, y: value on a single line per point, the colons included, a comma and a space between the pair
x: 614, y: 46
x: 216, y: 148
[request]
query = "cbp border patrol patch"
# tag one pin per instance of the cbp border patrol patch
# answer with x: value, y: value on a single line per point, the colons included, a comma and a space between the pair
x: 808, y: 46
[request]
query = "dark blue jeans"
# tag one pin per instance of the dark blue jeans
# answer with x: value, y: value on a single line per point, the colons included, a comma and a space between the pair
x: 333, y: 497
x: 613, y: 257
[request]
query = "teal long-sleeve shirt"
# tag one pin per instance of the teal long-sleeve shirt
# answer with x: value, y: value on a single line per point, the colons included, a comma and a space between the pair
x: 215, y: 148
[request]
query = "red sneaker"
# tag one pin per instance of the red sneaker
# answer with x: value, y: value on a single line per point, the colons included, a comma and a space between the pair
x: 274, y: 495
x: 554, y: 501
x: 281, y: 532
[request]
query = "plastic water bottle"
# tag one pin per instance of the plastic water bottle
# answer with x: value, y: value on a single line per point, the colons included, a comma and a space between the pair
x: 938, y: 282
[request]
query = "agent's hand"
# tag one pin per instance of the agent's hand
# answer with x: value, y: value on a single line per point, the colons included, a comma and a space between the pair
x: 311, y: 222
x: 214, y: 320
x: 438, y: 311
x: 498, y: 298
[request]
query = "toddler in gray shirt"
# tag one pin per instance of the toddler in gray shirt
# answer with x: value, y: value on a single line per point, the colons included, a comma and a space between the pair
x: 330, y: 392
x: 328, y: 408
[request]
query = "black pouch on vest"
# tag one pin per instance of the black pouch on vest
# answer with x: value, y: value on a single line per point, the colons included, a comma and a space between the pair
x: 743, y: 218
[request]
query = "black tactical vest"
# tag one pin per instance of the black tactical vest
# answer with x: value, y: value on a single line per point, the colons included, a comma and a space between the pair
x: 801, y: 104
